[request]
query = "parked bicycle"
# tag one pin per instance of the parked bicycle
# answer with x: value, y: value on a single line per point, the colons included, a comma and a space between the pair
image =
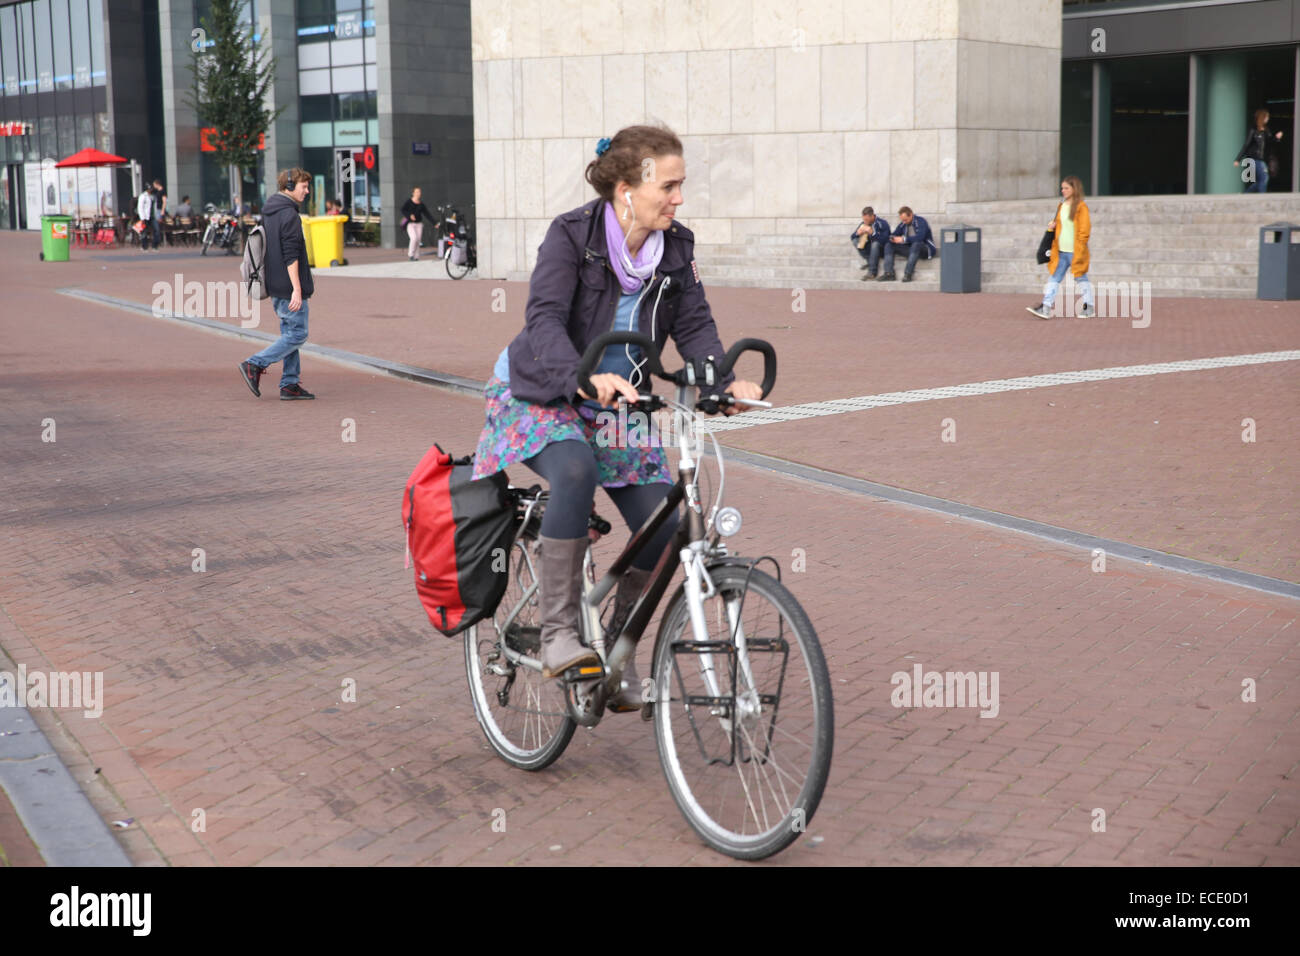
x: 225, y: 231
x: 734, y: 652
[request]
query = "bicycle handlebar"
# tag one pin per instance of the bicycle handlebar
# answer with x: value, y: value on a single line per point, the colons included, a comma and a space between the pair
x: 696, y: 372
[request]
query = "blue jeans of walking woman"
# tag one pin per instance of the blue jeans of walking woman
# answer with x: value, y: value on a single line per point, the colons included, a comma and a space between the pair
x: 293, y: 333
x: 1054, y: 283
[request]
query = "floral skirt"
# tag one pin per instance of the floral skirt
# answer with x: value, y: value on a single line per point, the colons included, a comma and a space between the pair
x: 516, y: 430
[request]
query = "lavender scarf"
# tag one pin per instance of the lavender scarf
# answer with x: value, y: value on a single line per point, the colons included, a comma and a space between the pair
x: 631, y: 273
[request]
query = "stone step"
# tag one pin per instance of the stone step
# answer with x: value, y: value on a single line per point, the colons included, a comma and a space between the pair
x: 1157, y: 264
x: 1031, y: 291
x: 1007, y: 249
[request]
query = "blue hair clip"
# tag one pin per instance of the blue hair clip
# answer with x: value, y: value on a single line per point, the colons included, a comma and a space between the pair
x: 602, y: 146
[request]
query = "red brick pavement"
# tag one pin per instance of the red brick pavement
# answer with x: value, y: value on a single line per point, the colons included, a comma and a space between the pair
x: 1158, y: 461
x: 1119, y: 691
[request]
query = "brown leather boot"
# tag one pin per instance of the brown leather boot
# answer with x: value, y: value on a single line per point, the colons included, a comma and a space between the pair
x: 628, y: 697
x: 560, y: 589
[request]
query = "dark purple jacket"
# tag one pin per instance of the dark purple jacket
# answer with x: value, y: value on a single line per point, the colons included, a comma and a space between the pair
x: 573, y: 297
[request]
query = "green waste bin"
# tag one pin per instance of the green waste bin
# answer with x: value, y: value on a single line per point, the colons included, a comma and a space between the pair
x: 54, y: 238
x: 325, y: 240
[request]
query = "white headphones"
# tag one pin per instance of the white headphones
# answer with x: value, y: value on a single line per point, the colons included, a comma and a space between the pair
x: 627, y: 196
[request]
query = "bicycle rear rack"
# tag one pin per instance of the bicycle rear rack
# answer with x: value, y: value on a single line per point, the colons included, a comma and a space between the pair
x: 723, y: 707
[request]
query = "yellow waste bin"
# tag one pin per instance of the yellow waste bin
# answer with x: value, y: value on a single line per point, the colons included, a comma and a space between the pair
x: 326, y: 242
x: 306, y: 238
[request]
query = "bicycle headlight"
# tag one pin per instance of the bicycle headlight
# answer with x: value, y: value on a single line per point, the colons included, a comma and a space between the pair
x: 728, y: 521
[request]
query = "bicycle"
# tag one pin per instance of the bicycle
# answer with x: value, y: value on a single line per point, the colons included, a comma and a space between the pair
x: 733, y: 649
x: 226, y: 232
x: 461, y: 255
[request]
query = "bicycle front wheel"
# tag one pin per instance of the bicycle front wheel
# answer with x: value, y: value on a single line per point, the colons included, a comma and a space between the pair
x: 523, y: 715
x: 744, y: 736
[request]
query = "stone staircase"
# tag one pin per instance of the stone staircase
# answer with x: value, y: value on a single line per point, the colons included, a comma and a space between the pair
x: 1204, y: 246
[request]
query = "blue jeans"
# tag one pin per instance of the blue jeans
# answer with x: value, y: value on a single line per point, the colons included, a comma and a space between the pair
x: 157, y: 233
x: 293, y: 333
x: 1054, y: 283
x: 871, y: 253
x: 915, y: 250
x: 1260, y: 185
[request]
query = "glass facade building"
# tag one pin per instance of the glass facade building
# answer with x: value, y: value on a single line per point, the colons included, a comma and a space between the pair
x: 1157, y: 95
x: 54, y: 102
x: 338, y: 90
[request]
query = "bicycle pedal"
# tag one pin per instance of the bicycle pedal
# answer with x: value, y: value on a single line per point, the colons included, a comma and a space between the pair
x: 583, y: 672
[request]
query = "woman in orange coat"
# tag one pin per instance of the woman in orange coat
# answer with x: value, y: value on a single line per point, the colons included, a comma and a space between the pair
x: 1070, y: 231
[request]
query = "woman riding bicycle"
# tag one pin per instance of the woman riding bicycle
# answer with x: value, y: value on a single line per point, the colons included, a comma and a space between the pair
x: 620, y: 262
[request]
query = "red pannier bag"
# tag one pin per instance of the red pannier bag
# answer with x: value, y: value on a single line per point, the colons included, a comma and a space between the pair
x: 458, y: 535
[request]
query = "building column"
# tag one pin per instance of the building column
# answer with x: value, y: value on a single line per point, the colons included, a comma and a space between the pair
x: 1295, y: 128
x: 279, y: 28
x: 180, y: 129
x: 1225, y: 120
x: 1195, y: 142
x: 1100, y: 184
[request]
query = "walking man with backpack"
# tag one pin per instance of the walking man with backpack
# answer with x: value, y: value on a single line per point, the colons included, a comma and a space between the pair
x: 287, y: 278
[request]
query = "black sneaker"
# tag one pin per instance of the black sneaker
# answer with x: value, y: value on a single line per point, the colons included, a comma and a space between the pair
x: 864, y: 267
x: 252, y: 375
x: 887, y: 277
x: 869, y: 277
x: 294, y: 393
x: 907, y: 277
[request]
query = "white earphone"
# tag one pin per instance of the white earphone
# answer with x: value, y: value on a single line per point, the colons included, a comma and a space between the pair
x: 627, y: 196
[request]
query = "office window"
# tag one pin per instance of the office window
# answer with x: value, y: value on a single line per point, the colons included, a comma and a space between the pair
x: 98, y: 73
x: 104, y: 132
x: 67, y: 127
x: 62, y: 36
x: 351, y: 106
x: 27, y: 41
x: 80, y: 44
x: 315, y: 21
x: 9, y: 50
x: 44, y: 46
x: 85, y: 132
x: 49, y: 136
x: 314, y: 109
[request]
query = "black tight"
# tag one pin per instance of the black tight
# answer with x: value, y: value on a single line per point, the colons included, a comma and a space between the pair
x: 569, y: 467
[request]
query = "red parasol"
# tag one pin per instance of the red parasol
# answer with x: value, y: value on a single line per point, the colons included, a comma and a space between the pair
x: 91, y: 157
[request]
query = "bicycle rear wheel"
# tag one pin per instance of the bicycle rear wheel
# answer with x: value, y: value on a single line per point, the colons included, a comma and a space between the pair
x: 523, y: 715
x: 457, y: 271
x: 744, y: 741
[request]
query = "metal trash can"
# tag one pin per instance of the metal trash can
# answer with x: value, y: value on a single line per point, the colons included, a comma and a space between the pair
x: 959, y: 259
x: 54, y: 238
x: 1279, y: 261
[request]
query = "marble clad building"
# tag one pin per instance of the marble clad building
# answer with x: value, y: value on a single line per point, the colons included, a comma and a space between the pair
x: 788, y: 109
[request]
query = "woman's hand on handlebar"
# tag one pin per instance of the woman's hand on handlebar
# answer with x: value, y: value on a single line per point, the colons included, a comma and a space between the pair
x: 608, y: 387
x: 742, y: 389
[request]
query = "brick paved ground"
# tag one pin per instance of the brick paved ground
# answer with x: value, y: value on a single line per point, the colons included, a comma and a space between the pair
x: 1157, y: 461
x: 1119, y: 690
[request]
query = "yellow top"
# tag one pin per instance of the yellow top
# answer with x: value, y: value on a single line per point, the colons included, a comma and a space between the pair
x: 1066, y: 240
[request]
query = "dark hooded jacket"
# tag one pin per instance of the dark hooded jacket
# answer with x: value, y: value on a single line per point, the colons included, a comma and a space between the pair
x: 284, y: 245
x: 573, y: 298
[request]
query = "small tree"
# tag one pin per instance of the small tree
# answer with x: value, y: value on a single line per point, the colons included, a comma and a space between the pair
x: 232, y: 74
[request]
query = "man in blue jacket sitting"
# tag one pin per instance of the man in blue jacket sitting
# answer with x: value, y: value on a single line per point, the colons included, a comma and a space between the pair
x: 870, y: 239
x: 914, y: 232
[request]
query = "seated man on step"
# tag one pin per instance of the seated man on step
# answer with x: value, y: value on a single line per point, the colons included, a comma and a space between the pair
x: 870, y: 239
x: 914, y: 232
